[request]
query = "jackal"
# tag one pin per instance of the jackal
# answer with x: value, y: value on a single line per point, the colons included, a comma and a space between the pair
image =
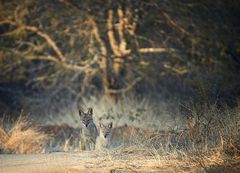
x: 89, y: 130
x: 104, y: 137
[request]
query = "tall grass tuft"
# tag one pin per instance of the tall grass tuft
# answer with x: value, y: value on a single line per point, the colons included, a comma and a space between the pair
x: 23, y: 137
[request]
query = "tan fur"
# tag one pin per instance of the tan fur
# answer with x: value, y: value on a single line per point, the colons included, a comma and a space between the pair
x: 89, y: 131
x: 104, y: 138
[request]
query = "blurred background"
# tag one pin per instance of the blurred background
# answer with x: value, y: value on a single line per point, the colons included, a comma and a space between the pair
x: 127, y: 58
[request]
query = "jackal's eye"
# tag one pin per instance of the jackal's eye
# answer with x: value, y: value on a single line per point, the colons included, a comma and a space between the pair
x: 84, y: 121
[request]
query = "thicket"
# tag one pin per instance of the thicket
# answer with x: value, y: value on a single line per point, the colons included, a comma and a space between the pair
x: 67, y: 49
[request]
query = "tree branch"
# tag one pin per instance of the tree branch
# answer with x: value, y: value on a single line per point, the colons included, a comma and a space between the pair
x: 34, y: 29
x: 122, y: 40
x: 48, y: 40
x: 155, y: 50
x: 111, y: 37
x: 127, y: 88
x: 174, y: 24
x: 61, y: 60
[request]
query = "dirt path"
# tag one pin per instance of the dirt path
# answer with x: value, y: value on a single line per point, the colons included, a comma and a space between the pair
x: 91, y: 162
x: 54, y: 162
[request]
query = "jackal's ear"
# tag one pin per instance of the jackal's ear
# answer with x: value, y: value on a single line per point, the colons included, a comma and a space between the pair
x: 80, y: 113
x: 110, y: 125
x: 90, y: 111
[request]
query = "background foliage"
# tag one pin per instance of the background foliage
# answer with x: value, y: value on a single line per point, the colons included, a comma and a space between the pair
x: 62, y: 50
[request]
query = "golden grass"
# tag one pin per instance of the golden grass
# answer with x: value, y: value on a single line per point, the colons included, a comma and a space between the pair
x: 210, y: 143
x: 137, y: 159
x: 217, y: 161
x: 22, y: 138
x: 3, y: 136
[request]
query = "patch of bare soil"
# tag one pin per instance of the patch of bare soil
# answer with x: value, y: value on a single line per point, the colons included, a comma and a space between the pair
x: 90, y: 162
x: 131, y: 159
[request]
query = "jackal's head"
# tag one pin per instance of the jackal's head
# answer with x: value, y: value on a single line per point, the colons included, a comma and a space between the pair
x: 86, y: 118
x: 105, y: 130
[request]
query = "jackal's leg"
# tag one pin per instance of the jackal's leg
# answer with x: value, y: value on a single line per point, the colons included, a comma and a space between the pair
x: 91, y: 145
x: 82, y: 141
x: 88, y: 145
x: 82, y: 144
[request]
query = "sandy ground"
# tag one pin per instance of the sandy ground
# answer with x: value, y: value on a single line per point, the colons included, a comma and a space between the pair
x: 89, y: 162
x: 54, y: 162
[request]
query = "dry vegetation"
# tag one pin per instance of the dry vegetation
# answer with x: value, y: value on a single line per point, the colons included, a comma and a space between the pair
x: 23, y: 137
x: 153, y: 68
x: 208, y: 141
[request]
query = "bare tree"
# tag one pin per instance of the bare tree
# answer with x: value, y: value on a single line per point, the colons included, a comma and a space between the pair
x: 110, y: 52
x: 103, y: 45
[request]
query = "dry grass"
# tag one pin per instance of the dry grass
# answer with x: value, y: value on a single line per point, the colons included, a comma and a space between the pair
x: 143, y: 113
x: 23, y: 137
x: 209, y: 142
x: 135, y: 159
x: 214, y: 133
